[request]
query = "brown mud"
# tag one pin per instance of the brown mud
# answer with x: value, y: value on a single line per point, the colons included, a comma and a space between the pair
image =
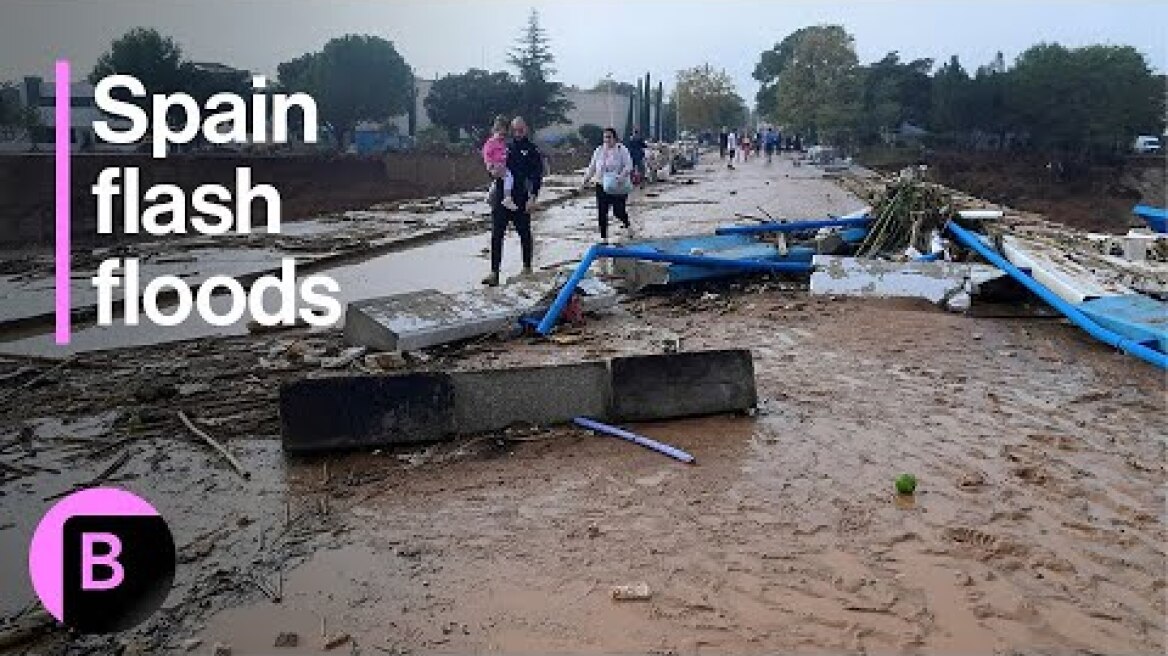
x: 1038, y: 524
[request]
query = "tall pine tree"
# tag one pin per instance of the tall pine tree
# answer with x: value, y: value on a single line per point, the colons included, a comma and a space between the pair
x: 542, y: 101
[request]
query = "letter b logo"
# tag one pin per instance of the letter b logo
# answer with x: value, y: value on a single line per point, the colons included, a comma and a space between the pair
x: 102, y: 560
x: 90, y: 561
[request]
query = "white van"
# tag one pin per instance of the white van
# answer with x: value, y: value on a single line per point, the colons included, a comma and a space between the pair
x: 1146, y: 144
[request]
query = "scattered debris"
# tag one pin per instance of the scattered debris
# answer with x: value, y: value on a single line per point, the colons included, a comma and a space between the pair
x: 336, y: 641
x: 286, y: 639
x: 214, y: 444
x: 635, y: 592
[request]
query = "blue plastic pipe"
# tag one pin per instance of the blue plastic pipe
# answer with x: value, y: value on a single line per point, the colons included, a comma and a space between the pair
x: 645, y: 253
x: 793, y: 226
x: 671, y: 451
x: 1129, y: 346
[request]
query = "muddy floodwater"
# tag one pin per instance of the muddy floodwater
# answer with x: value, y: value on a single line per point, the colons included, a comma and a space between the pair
x: 1038, y: 524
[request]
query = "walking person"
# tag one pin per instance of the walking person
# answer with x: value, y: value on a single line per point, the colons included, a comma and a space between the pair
x: 723, y: 139
x: 525, y: 163
x: 731, y: 145
x: 637, y: 146
x: 612, y: 165
x: 771, y: 143
x: 745, y: 146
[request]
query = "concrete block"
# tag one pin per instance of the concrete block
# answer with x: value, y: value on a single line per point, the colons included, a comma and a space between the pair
x: 320, y: 414
x: 492, y: 400
x: 416, y: 320
x: 944, y: 283
x: 650, y: 387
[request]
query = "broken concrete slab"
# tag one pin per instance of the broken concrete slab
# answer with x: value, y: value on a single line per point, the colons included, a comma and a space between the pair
x: 346, y: 412
x: 649, y: 387
x: 1050, y: 265
x: 950, y: 284
x: 492, y: 400
x: 350, y: 412
x: 416, y: 320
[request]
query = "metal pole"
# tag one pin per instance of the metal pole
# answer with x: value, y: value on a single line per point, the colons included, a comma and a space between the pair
x: 659, y: 447
x: 1129, y: 346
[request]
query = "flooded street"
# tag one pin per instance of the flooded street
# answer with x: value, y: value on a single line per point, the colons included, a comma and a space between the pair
x: 1038, y: 524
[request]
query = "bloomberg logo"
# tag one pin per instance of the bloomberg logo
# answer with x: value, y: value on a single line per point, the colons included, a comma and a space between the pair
x: 102, y: 560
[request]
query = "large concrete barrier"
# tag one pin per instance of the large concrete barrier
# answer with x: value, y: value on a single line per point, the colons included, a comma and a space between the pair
x: 368, y: 411
x: 494, y: 399
x: 648, y: 387
x: 320, y: 414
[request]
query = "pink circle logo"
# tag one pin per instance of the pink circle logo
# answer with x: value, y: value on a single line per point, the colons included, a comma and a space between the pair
x: 102, y: 560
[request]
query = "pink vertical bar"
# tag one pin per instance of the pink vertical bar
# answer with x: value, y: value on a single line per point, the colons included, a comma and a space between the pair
x: 62, y: 123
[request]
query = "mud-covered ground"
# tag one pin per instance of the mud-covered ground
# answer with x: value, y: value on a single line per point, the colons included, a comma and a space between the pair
x: 1038, y: 525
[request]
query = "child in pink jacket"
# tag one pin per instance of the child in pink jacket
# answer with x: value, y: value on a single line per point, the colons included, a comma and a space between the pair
x: 495, y: 157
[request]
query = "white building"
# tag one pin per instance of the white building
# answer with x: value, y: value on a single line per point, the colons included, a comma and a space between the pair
x: 34, y: 92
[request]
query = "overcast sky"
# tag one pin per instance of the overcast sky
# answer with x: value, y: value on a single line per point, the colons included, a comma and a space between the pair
x: 589, y: 38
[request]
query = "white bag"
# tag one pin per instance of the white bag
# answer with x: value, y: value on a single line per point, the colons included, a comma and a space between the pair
x: 616, y: 185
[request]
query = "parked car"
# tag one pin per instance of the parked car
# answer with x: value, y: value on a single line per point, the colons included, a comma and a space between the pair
x: 1146, y: 144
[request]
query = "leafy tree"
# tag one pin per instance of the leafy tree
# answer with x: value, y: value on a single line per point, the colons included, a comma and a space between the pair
x: 155, y: 60
x: 707, y: 99
x: 15, y: 117
x: 818, y: 89
x: 949, y: 97
x: 593, y: 135
x: 768, y: 69
x: 987, y: 98
x: 542, y: 101
x: 1090, y: 98
x: 353, y: 78
x: 618, y: 88
x: 470, y: 101
x: 894, y: 92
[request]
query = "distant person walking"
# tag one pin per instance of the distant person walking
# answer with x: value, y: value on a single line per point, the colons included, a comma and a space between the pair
x: 636, y: 145
x: 723, y: 139
x: 612, y: 165
x: 495, y: 159
x: 525, y: 163
x: 771, y: 142
x: 731, y: 148
x: 745, y: 145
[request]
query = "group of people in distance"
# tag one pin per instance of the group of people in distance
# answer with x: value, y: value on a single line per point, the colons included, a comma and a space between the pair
x: 741, y: 145
x: 517, y: 169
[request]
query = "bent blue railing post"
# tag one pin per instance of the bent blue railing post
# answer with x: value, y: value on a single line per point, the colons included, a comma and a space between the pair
x: 548, y: 322
x: 794, y: 226
x: 1129, y: 346
x: 549, y: 319
x: 671, y: 451
x: 1155, y: 217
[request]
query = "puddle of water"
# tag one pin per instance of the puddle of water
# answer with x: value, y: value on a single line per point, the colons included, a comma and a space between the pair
x: 448, y: 266
x: 20, y: 299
